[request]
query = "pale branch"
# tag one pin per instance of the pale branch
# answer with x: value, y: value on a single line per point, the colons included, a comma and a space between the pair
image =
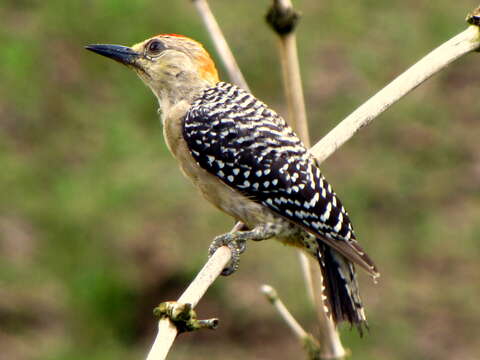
x: 308, y: 341
x: 220, y: 44
x: 272, y: 297
x: 283, y: 19
x: 167, y: 331
x: 465, y: 42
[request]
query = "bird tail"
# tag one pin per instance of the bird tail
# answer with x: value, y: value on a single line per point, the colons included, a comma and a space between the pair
x: 340, y: 287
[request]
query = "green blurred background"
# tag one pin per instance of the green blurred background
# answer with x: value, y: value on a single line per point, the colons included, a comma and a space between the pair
x: 97, y: 225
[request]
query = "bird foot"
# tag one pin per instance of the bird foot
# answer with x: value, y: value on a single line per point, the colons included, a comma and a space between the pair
x: 236, y: 240
x: 237, y: 247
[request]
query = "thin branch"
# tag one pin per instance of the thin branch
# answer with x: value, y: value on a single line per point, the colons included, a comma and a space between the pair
x: 273, y: 298
x: 283, y: 19
x: 220, y: 44
x: 192, y: 295
x: 465, y: 42
x: 308, y: 341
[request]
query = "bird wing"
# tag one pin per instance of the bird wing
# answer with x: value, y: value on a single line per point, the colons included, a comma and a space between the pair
x: 249, y: 147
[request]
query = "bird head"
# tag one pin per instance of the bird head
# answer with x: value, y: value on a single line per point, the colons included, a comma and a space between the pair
x: 174, y: 66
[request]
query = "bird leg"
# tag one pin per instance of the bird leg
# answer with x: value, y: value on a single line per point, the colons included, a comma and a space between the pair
x: 236, y: 242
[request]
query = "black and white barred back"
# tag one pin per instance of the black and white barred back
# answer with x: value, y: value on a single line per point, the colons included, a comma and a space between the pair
x: 250, y: 148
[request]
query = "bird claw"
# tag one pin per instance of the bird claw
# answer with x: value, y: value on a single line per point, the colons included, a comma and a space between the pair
x: 242, y: 246
x: 236, y: 246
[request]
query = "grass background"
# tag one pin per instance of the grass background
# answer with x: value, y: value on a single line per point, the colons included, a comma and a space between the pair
x: 97, y: 225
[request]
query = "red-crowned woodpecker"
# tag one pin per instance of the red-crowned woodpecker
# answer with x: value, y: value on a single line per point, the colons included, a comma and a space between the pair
x: 249, y: 163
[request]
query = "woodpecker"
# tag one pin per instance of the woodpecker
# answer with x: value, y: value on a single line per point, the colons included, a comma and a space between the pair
x: 245, y: 160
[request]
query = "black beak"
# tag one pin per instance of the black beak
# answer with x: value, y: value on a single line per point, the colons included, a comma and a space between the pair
x: 122, y: 54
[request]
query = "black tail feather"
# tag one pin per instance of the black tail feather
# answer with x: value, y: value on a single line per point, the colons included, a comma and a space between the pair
x: 341, y: 288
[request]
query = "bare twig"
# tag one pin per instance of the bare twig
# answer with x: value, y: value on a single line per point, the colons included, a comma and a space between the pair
x: 308, y: 341
x: 465, y: 42
x: 220, y: 44
x: 192, y: 295
x: 272, y: 296
x: 283, y: 19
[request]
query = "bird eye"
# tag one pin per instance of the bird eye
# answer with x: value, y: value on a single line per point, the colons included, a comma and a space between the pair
x: 155, y: 46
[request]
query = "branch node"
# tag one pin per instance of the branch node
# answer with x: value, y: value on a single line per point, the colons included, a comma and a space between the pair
x: 309, y: 343
x: 270, y: 293
x: 183, y: 317
x: 311, y: 347
x: 282, y: 19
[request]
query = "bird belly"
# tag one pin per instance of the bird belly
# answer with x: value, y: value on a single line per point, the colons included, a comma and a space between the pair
x: 243, y: 209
